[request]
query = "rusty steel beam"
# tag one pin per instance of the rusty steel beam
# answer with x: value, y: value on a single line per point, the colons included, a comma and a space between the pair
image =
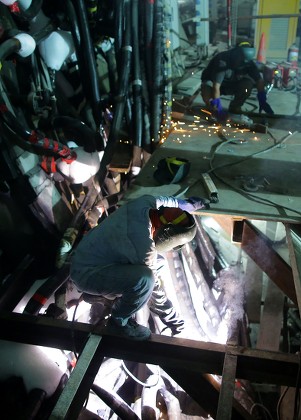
x: 205, y: 390
x: 226, y: 395
x: 260, y: 249
x: 293, y: 236
x: 167, y: 352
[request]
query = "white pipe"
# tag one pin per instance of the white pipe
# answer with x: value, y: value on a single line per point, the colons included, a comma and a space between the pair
x: 8, y: 2
x: 28, y: 44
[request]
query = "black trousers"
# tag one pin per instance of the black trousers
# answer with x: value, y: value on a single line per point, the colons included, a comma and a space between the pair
x: 241, y: 89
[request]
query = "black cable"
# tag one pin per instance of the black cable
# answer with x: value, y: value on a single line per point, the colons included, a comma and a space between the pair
x: 74, y: 128
x: 297, y: 392
x: 181, y: 38
x: 116, y: 403
x: 89, y: 62
x: 137, y: 82
x: 71, y: 13
x: 72, y: 330
x: 158, y: 69
x: 280, y: 401
x: 121, y: 97
x: 44, y: 292
x: 9, y: 47
x: 118, y: 29
x: 148, y: 34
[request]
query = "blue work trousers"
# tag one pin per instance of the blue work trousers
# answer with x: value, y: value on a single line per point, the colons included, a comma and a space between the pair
x: 132, y: 284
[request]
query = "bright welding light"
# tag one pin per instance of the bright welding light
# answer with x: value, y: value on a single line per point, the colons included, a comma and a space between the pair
x: 82, y: 311
x: 222, y: 333
x: 211, y: 224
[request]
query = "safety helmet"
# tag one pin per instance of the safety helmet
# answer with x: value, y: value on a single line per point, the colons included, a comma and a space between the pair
x: 177, y: 228
x: 248, y: 50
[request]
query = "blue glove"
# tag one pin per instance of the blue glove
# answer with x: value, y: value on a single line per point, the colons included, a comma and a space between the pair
x: 216, y: 104
x: 193, y: 204
x: 263, y: 105
x: 218, y: 111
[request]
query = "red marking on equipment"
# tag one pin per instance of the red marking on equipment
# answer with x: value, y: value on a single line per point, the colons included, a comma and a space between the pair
x: 14, y: 8
x: 55, y: 146
x: 65, y: 151
x: 44, y: 164
x: 39, y: 298
x: 33, y: 138
x: 46, y: 143
x: 53, y: 165
x: 3, y: 108
x: 71, y: 158
x: 73, y: 362
x: 48, y: 164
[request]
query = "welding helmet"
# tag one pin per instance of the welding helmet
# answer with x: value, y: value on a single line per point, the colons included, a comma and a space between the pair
x: 171, y: 170
x: 177, y: 228
x: 248, y: 50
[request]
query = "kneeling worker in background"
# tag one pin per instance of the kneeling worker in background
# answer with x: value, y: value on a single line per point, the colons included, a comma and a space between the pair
x: 233, y: 72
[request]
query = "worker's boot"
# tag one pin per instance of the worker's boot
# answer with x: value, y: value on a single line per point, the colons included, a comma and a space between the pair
x: 131, y: 330
x: 169, y: 317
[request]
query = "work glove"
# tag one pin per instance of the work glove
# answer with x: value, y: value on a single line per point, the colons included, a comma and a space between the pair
x: 263, y: 105
x: 193, y: 204
x: 217, y: 108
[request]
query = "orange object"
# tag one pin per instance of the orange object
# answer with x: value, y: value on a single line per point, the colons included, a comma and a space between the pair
x: 261, y: 55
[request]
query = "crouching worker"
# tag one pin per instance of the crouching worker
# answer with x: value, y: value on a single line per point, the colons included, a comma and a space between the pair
x: 118, y: 257
x: 233, y: 73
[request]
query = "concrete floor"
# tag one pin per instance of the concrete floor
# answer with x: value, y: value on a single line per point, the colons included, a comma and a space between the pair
x: 275, y: 171
x: 284, y: 103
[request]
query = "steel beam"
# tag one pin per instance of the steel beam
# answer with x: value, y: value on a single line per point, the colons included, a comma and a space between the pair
x: 293, y: 236
x: 168, y: 352
x: 226, y: 395
x: 205, y: 391
x: 260, y: 249
x: 76, y: 391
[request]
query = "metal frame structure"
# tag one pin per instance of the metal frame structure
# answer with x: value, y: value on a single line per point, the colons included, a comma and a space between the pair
x: 190, y: 363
